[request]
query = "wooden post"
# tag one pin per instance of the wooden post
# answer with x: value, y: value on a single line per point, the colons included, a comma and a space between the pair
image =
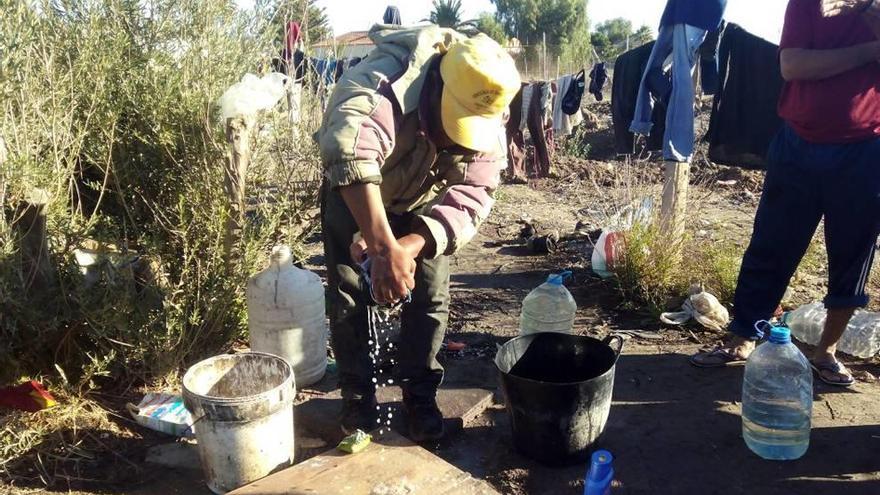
x: 238, y: 157
x: 33, y: 242
x: 674, y: 207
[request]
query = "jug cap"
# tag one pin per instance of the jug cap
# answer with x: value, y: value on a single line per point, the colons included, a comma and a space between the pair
x: 600, y: 465
x: 281, y: 255
x: 780, y: 335
x: 558, y: 278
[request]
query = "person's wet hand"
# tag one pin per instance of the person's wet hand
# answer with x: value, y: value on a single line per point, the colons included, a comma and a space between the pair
x: 358, y: 250
x: 833, y: 8
x: 392, y: 274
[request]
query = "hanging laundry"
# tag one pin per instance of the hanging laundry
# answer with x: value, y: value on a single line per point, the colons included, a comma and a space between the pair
x: 572, y: 97
x: 683, y: 29
x: 563, y: 123
x: 628, y: 71
x: 392, y: 16
x: 709, y: 80
x: 516, y: 153
x: 598, y: 77
x: 744, y: 115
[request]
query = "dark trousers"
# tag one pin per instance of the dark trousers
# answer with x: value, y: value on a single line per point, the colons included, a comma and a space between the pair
x: 423, y: 321
x: 806, y: 182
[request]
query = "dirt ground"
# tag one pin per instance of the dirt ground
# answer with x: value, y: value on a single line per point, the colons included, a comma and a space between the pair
x: 673, y: 429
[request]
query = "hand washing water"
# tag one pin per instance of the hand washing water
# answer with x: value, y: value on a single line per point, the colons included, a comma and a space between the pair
x: 861, y: 338
x: 777, y: 399
x: 549, y: 307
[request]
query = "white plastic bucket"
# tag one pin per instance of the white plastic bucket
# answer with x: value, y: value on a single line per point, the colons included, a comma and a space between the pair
x: 242, y: 407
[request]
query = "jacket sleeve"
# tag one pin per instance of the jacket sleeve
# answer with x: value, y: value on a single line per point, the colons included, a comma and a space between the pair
x: 455, y: 216
x: 357, y: 133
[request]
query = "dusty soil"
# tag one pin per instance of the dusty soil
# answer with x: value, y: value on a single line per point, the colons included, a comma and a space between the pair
x: 674, y: 429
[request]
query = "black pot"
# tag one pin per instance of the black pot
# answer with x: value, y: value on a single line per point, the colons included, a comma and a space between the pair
x: 557, y: 388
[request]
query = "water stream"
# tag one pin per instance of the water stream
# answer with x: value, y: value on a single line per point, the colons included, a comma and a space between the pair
x: 382, y: 323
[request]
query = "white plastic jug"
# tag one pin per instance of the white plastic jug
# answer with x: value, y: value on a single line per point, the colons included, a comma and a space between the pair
x: 286, y: 316
x: 548, y: 308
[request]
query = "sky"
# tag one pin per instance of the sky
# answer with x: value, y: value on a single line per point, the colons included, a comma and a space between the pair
x: 761, y: 17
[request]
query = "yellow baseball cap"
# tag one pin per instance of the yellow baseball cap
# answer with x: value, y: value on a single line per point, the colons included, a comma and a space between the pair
x: 479, y: 82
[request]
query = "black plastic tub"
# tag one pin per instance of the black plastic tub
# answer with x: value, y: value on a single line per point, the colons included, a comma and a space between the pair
x: 557, y: 388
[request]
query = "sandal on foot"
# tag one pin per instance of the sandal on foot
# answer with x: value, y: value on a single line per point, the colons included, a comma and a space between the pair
x: 833, y: 367
x: 723, y: 357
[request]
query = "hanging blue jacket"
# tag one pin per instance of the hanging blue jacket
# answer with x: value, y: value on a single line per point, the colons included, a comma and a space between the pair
x: 704, y: 14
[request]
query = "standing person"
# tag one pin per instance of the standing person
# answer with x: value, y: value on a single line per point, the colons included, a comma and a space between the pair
x: 413, y: 145
x: 683, y: 27
x: 825, y: 162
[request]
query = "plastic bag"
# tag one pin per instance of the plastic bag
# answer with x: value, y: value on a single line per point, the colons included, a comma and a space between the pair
x: 703, y: 307
x: 164, y: 413
x: 607, y: 253
x: 251, y: 95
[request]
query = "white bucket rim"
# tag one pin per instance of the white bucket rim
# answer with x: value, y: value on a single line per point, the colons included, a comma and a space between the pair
x: 287, y: 382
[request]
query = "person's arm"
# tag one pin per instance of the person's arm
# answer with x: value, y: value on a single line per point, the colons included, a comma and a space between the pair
x: 833, y: 8
x: 455, y: 217
x: 393, y: 268
x: 355, y: 138
x: 801, y: 64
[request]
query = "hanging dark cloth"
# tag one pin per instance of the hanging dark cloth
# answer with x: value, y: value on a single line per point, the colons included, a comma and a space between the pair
x: 598, y: 78
x: 709, y: 79
x: 628, y: 71
x: 516, y: 146
x: 744, y: 117
x: 392, y: 16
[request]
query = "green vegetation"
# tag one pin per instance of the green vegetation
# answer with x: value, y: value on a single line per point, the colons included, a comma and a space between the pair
x: 489, y: 25
x: 447, y: 13
x: 612, y: 37
x: 109, y: 107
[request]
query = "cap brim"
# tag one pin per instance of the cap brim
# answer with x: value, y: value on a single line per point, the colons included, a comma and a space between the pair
x: 475, y: 132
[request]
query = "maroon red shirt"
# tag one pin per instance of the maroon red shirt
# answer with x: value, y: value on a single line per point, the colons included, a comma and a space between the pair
x: 840, y: 109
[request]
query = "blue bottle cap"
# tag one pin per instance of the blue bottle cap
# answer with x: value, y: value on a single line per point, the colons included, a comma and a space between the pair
x: 600, y: 465
x: 780, y: 335
x: 558, y: 278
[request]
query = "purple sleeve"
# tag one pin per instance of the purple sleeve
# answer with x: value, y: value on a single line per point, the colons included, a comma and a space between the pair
x: 462, y: 207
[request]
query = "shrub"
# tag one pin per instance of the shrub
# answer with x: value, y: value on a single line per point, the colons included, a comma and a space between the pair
x: 109, y: 106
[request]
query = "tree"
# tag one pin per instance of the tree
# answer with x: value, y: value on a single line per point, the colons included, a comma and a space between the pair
x: 447, y: 13
x: 307, y: 13
x: 489, y: 25
x: 531, y: 20
x: 612, y: 37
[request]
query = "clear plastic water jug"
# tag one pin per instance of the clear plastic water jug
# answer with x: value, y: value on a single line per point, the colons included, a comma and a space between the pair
x: 548, y: 308
x: 861, y: 338
x: 777, y: 399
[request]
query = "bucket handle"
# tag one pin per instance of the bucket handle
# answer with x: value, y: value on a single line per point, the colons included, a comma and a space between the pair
x: 611, y: 338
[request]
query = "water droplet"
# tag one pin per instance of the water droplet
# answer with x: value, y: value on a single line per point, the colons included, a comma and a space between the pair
x: 390, y: 415
x: 390, y: 382
x: 375, y: 380
x: 378, y: 408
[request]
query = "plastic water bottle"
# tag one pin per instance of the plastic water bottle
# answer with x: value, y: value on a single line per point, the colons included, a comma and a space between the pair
x: 777, y: 399
x: 861, y: 338
x: 548, y: 308
x: 600, y: 475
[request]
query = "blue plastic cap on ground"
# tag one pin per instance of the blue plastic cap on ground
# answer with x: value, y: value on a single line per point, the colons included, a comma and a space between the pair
x: 780, y: 335
x: 600, y: 465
